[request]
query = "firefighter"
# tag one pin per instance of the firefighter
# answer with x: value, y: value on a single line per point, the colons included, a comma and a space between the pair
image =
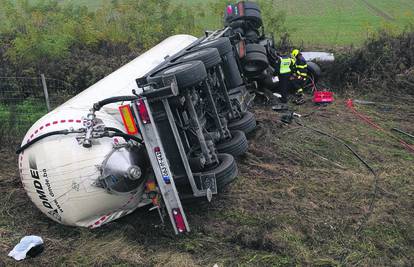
x: 299, y: 74
x: 285, y: 72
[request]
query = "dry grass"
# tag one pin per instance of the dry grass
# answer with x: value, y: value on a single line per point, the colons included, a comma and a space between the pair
x: 300, y: 199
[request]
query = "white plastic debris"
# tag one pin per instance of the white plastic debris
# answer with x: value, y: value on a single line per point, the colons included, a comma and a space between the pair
x: 26, y: 243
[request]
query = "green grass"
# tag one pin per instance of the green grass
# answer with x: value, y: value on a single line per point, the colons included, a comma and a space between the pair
x: 343, y: 22
x: 320, y: 22
x: 16, y: 119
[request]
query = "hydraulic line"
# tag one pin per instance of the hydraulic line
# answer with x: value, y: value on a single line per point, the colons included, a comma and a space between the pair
x: 350, y: 105
x: 116, y: 133
x: 40, y: 137
x: 98, y: 105
x: 123, y: 135
x: 374, y: 173
x: 402, y: 132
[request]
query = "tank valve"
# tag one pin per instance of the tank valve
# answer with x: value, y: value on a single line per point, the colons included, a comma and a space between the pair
x: 89, y: 123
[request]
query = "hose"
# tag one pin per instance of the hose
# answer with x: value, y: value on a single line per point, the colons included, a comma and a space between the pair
x: 40, y: 137
x: 98, y: 105
x: 125, y: 136
x: 374, y: 173
x: 117, y: 133
x: 402, y: 132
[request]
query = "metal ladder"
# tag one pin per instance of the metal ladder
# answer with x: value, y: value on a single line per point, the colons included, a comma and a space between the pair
x: 161, y: 167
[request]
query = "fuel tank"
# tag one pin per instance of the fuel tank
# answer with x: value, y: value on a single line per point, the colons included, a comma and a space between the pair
x: 90, y: 186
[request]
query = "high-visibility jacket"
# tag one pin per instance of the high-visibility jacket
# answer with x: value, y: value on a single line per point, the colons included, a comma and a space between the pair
x: 301, y: 66
x: 285, y: 65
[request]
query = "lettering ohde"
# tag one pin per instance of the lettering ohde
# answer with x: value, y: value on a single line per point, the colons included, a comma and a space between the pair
x: 37, y: 184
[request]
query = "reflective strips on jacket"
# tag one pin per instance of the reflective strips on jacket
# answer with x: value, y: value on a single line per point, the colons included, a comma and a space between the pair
x: 285, y: 63
x: 301, y: 67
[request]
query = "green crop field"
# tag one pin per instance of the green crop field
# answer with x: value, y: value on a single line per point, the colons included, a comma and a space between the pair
x: 327, y: 22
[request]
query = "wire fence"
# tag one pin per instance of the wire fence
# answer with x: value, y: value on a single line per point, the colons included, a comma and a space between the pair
x: 23, y: 100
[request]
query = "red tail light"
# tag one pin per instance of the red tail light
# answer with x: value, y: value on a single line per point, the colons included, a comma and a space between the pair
x: 143, y: 112
x: 179, y: 221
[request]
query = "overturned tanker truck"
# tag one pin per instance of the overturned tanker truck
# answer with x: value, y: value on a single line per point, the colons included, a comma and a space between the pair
x: 163, y: 129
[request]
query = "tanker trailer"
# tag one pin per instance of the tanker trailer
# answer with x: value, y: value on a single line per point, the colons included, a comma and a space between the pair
x: 80, y: 168
x: 77, y: 185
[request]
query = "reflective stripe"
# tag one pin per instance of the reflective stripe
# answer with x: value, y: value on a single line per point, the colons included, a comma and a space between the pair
x: 285, y: 65
x: 302, y: 74
x: 302, y: 66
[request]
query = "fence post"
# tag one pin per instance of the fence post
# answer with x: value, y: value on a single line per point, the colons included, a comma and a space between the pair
x: 45, y: 91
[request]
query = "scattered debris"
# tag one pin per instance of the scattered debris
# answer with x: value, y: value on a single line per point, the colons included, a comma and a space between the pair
x: 287, y: 117
x: 29, y: 246
x: 280, y: 107
x: 363, y: 102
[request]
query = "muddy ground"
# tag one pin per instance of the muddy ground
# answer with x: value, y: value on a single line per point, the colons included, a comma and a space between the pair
x: 301, y: 198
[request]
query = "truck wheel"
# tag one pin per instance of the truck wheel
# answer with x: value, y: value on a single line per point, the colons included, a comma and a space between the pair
x: 252, y: 36
x: 225, y: 172
x: 187, y: 74
x: 236, y: 146
x: 222, y: 44
x: 209, y: 56
x: 251, y: 5
x: 257, y: 48
x: 247, y: 123
x: 252, y: 13
x: 255, y: 62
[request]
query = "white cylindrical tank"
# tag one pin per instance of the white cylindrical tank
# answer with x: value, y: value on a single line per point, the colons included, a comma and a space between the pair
x: 61, y: 176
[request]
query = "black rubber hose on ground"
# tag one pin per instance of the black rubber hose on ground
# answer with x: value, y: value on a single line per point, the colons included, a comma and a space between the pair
x: 376, y: 176
x: 402, y: 132
x: 98, y: 105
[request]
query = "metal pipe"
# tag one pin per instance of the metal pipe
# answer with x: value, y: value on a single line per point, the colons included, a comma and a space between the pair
x: 197, y: 127
x: 225, y: 92
x: 210, y: 99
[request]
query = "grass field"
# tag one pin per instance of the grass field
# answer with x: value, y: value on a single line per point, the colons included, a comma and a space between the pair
x: 327, y: 22
x: 301, y: 199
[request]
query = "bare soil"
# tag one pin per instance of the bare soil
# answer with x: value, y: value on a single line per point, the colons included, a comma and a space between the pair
x: 301, y: 198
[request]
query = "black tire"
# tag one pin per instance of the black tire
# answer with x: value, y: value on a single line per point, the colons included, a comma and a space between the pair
x: 247, y: 123
x: 209, y: 56
x: 236, y: 146
x: 187, y: 74
x: 251, y: 5
x: 222, y: 44
x: 314, y: 71
x: 226, y: 171
x: 252, y: 36
x: 254, y: 16
x: 256, y: 48
x: 255, y: 62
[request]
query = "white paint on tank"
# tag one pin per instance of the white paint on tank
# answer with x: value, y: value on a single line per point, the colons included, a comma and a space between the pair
x: 122, y: 81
